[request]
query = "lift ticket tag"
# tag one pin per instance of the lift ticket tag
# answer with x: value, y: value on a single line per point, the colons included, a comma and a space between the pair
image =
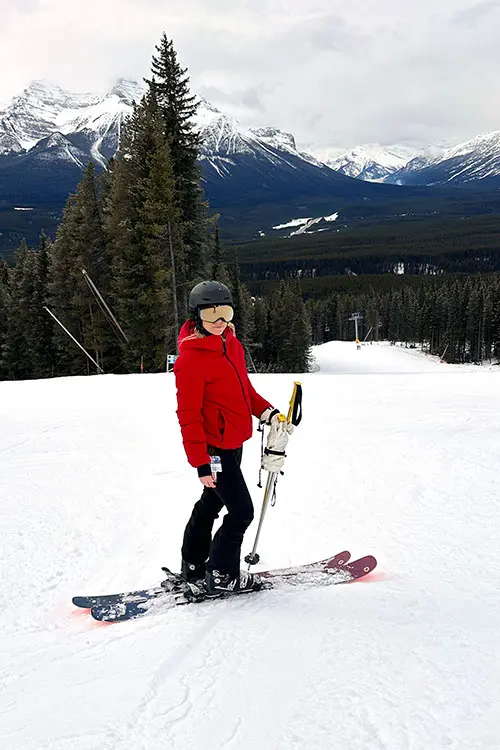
x: 215, y: 464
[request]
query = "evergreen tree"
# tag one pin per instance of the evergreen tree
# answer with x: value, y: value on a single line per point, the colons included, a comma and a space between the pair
x: 495, y: 317
x: 40, y: 332
x: 169, y: 86
x: 145, y: 230
x: 395, y: 317
x: 454, y: 326
x: 81, y: 245
x: 261, y: 334
x: 217, y: 267
x: 373, y: 317
x: 316, y: 312
x: 243, y: 314
x: 290, y: 330
x: 330, y: 331
x: 343, y: 313
x: 409, y: 316
x: 487, y: 321
x: 474, y: 324
x: 4, y: 312
x: 24, y: 354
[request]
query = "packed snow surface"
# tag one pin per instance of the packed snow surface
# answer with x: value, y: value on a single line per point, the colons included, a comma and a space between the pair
x: 397, y: 455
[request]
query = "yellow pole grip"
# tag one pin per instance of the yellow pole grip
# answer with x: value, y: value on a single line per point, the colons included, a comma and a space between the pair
x: 292, y: 400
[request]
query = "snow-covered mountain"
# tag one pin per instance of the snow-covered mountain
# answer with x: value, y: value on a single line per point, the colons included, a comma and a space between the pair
x: 475, y: 160
x: 371, y: 162
x: 257, y: 178
x: 47, y: 134
x: 91, y: 121
x: 259, y: 160
x: 223, y: 138
x: 91, y: 124
x: 282, y: 141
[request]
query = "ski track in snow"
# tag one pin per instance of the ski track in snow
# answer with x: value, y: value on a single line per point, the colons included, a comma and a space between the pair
x: 400, y: 460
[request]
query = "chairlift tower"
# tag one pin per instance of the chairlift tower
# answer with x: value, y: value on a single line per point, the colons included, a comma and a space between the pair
x: 356, y: 317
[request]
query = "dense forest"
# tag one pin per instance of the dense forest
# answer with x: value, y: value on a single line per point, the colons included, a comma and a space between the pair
x: 410, y: 246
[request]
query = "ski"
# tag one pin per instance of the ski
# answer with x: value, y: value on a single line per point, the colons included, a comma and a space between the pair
x: 87, y: 602
x: 142, y: 595
x: 331, y: 571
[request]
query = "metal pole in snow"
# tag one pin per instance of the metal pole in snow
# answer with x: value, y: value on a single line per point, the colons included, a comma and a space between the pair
x: 99, y: 295
x: 73, y: 339
x: 253, y: 557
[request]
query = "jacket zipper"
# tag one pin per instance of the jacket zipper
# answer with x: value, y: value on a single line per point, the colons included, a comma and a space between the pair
x: 237, y: 374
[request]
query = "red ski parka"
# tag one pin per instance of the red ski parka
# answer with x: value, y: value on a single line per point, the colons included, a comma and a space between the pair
x: 215, y: 398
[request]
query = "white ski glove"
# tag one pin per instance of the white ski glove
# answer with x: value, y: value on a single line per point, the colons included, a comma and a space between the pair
x: 268, y: 415
x: 274, y: 453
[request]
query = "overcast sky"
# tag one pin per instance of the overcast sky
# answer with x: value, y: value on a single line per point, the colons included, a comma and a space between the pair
x: 336, y: 73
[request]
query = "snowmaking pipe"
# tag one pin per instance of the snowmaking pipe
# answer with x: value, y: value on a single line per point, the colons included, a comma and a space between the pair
x: 294, y: 417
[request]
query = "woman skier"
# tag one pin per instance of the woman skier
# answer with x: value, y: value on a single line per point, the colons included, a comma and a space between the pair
x: 216, y: 401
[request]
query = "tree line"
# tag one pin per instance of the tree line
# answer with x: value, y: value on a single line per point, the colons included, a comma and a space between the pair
x: 414, y: 246
x: 132, y: 243
x: 457, y: 319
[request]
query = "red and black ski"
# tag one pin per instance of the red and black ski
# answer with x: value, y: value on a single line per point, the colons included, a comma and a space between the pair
x: 133, y: 604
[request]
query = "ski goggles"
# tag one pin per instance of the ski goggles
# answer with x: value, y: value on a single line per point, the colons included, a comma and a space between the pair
x: 216, y: 312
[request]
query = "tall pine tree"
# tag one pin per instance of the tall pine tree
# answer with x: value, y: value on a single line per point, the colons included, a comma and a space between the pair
x: 145, y: 230
x: 217, y: 266
x: 27, y: 351
x: 169, y: 86
x: 4, y: 312
x: 261, y: 336
x: 39, y: 335
x: 290, y: 330
x: 243, y: 312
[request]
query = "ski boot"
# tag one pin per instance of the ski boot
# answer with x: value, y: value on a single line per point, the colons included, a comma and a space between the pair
x: 217, y: 584
x: 193, y: 572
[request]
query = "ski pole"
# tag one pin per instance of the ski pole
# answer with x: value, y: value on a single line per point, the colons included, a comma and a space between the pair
x: 253, y: 558
x: 294, y: 417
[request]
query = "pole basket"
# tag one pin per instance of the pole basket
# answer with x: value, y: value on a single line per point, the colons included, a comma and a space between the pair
x: 252, y: 558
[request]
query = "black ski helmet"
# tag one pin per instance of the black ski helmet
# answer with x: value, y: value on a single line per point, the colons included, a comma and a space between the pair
x: 208, y: 293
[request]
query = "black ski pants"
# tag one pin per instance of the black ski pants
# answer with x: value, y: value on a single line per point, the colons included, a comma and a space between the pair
x: 224, y: 551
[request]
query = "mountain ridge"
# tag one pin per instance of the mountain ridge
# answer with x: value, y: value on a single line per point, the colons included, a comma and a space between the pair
x: 256, y: 178
x: 469, y: 162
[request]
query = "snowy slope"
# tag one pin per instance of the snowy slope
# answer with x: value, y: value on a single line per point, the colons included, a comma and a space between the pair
x: 400, y: 461
x: 381, y: 358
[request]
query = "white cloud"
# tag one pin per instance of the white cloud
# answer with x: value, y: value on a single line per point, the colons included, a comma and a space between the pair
x: 333, y: 73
